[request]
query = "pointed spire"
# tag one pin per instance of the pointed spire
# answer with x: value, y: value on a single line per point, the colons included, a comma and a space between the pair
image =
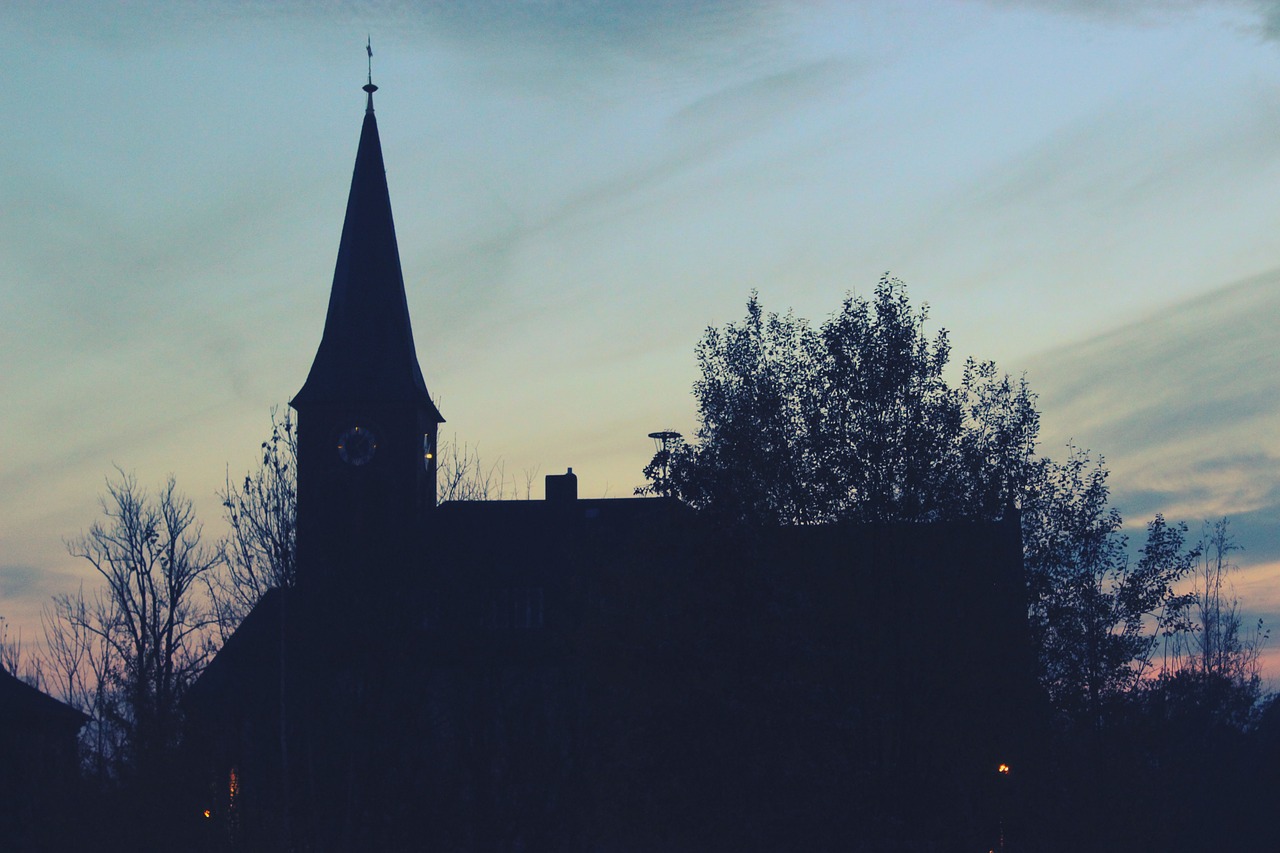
x: 367, y: 352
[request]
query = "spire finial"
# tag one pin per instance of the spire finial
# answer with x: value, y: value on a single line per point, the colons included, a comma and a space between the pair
x: 369, y: 87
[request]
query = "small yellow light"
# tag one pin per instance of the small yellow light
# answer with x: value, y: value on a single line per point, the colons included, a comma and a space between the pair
x: 431, y: 456
x: 208, y: 813
x: 1003, y: 769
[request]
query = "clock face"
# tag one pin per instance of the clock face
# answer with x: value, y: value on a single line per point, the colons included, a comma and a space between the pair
x: 357, y: 445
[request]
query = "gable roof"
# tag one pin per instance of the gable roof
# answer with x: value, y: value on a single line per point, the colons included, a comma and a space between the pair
x: 23, y: 705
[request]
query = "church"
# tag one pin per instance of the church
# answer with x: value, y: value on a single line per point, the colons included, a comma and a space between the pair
x: 590, y: 674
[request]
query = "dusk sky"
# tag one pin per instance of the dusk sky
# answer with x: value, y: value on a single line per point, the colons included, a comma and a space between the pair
x: 1085, y: 191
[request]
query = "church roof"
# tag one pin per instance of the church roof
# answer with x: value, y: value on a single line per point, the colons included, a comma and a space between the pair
x: 25, y: 706
x: 367, y: 352
x: 249, y: 659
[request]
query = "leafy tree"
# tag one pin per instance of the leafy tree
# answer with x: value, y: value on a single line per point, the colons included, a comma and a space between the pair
x: 856, y: 421
x: 758, y: 400
x: 997, y: 448
x: 890, y: 423
x: 1096, y: 614
x: 852, y: 421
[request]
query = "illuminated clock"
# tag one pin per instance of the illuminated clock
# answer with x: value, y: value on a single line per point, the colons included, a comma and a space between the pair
x: 357, y: 445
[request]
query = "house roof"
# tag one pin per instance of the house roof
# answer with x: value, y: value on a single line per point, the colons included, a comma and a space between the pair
x: 22, y: 704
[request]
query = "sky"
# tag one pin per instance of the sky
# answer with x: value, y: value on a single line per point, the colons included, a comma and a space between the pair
x: 1083, y: 191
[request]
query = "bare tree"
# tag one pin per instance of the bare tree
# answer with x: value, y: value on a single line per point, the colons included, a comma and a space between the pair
x: 129, y: 651
x: 1214, y: 642
x: 10, y: 650
x: 17, y: 663
x: 464, y: 476
x: 260, y: 552
x: 78, y: 663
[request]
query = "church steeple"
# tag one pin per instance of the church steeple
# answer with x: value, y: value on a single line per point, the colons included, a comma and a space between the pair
x: 367, y: 352
x: 366, y: 424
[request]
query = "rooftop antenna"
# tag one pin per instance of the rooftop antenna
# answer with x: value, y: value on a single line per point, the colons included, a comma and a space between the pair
x: 663, y: 442
x: 369, y: 87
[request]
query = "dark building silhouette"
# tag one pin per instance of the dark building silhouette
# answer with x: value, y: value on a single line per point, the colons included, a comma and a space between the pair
x: 38, y: 764
x: 590, y: 674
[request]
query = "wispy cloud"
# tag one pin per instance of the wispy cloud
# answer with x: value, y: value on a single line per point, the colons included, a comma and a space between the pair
x: 21, y: 581
x: 1259, y: 584
x: 1118, y: 9
x: 1263, y: 16
x: 666, y: 26
x: 1207, y: 361
x: 25, y: 589
x: 1185, y: 405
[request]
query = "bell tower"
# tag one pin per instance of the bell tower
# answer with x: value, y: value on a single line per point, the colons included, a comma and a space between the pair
x: 366, y: 424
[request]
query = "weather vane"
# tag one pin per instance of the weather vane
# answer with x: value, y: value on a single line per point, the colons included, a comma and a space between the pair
x: 369, y: 87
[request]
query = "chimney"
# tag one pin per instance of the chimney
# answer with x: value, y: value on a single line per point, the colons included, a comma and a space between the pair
x: 562, y: 488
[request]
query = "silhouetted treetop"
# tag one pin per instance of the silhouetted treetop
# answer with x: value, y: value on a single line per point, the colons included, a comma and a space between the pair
x: 852, y: 420
x: 855, y: 421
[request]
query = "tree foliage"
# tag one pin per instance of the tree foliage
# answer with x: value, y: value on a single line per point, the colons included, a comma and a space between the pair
x: 1095, y: 614
x: 855, y: 420
x: 757, y: 400
x: 851, y: 421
